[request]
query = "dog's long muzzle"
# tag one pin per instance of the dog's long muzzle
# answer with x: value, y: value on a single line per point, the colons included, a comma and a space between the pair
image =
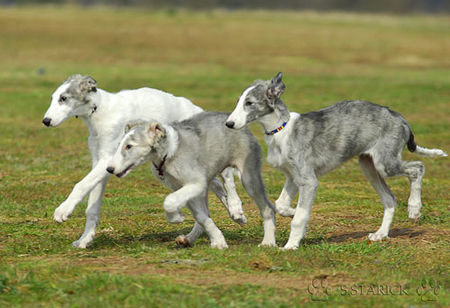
x: 47, y: 121
x: 230, y: 124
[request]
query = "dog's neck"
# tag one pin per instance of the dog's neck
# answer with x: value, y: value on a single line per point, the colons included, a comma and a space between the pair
x: 96, y: 104
x: 172, y: 141
x: 276, y: 119
x: 167, y: 150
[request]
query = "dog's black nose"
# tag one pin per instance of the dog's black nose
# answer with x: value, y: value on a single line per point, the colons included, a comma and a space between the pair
x: 47, y: 121
x: 110, y: 170
x: 230, y: 124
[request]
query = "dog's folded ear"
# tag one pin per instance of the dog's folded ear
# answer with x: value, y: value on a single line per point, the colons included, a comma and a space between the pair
x: 130, y: 125
x: 88, y: 84
x: 276, y: 87
x: 157, y: 130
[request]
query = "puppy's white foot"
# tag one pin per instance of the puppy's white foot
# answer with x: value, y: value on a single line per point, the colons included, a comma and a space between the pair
x: 62, y: 213
x: 183, y: 241
x: 219, y: 245
x: 82, y: 244
x: 377, y: 236
x: 414, y: 212
x: 268, y: 244
x: 289, y: 247
x: 175, y: 217
x: 285, y: 211
x: 239, y: 217
x: 235, y: 211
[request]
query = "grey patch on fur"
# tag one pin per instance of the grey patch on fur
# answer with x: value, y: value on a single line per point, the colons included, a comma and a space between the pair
x: 319, y: 141
x: 266, y: 97
x: 348, y: 128
x: 80, y: 87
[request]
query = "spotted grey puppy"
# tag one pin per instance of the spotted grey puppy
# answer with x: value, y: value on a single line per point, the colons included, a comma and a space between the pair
x: 306, y: 146
x: 186, y: 156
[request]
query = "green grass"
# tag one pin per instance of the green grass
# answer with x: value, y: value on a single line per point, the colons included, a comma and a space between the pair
x: 210, y: 57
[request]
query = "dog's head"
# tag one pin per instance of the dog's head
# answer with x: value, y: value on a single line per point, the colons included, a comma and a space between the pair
x: 71, y: 98
x: 140, y: 142
x: 258, y: 100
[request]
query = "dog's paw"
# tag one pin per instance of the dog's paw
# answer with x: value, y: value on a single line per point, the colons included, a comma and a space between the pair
x: 61, y: 213
x: 219, y: 245
x: 84, y: 241
x: 414, y: 213
x: 80, y: 244
x: 377, y: 236
x: 267, y: 244
x: 289, y: 247
x: 183, y: 241
x: 285, y: 211
x: 175, y: 217
x: 239, y: 217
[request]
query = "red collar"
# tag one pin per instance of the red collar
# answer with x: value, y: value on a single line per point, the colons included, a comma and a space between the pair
x: 160, y: 166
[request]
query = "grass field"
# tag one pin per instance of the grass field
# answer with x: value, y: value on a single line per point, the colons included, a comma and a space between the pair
x: 210, y: 57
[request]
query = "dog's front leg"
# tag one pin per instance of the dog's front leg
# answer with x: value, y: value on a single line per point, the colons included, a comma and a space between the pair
x: 92, y: 215
x: 80, y: 190
x: 284, y: 201
x: 175, y: 201
x: 307, y: 187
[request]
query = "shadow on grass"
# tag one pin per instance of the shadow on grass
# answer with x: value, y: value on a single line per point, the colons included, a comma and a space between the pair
x: 105, y: 241
x: 393, y: 233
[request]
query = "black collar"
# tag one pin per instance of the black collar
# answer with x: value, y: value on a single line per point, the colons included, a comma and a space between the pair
x: 160, y: 166
x: 94, y: 109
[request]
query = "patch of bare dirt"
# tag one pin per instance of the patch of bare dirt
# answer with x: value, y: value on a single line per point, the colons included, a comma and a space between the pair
x: 185, y: 273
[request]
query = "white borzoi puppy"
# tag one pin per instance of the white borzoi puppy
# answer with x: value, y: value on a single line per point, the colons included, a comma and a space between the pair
x: 186, y: 156
x: 306, y: 146
x: 106, y: 114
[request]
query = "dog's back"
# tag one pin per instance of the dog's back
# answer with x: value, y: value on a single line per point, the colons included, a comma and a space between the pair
x: 206, y: 138
x: 148, y: 103
x: 349, y: 128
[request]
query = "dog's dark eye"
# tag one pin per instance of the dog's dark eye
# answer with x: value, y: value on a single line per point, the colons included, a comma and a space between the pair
x: 128, y: 146
x: 249, y: 103
x: 63, y: 98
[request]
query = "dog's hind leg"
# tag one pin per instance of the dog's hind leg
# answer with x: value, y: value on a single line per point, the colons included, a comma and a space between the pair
x: 415, y: 171
x: 218, y: 189
x: 387, y: 197
x: 92, y: 215
x: 229, y: 196
x: 392, y: 165
x: 284, y: 201
x: 199, y: 209
x: 253, y: 184
x: 189, y: 239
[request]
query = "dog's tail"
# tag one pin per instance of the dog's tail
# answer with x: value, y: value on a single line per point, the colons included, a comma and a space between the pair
x: 414, y: 148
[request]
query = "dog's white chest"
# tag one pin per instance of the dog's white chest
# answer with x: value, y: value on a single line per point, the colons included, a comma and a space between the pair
x: 274, y: 156
x: 278, y: 145
x: 276, y: 152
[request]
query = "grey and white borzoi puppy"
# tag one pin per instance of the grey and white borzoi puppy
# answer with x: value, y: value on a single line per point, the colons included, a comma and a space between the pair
x: 186, y: 156
x: 306, y: 146
x: 106, y: 114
